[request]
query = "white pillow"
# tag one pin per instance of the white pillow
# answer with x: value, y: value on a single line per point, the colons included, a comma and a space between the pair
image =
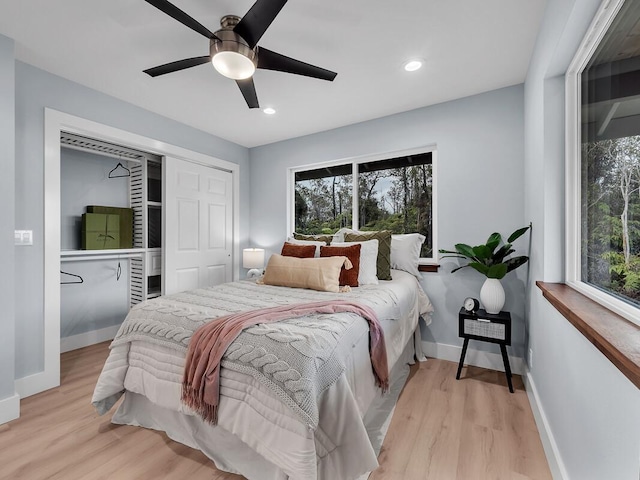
x: 308, y: 242
x: 368, y: 260
x: 338, y: 237
x: 405, y: 252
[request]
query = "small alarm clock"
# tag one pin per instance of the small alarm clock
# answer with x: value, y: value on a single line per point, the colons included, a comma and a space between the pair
x: 471, y: 304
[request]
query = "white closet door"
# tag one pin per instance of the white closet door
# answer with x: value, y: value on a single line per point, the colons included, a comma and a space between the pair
x: 198, y: 226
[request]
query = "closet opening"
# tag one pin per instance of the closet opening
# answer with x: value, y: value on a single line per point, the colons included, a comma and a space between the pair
x: 110, y: 236
x: 162, y: 262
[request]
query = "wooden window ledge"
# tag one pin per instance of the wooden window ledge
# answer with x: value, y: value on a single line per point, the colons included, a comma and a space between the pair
x: 428, y: 268
x: 616, y: 337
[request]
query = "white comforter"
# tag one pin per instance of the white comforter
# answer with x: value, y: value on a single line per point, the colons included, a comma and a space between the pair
x: 280, y: 445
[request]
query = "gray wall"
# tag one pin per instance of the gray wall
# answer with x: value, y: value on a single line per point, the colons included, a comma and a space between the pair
x: 591, y: 408
x: 480, y: 183
x: 35, y: 90
x: 7, y: 166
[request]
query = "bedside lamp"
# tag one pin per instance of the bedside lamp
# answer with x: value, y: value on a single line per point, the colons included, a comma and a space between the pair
x: 253, y: 258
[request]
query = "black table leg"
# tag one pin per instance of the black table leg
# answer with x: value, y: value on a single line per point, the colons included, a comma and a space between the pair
x: 464, y: 353
x: 507, y: 367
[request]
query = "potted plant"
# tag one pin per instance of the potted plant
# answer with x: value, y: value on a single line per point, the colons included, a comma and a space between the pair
x: 491, y: 260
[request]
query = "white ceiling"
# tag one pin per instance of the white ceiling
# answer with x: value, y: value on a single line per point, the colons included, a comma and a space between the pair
x: 469, y: 46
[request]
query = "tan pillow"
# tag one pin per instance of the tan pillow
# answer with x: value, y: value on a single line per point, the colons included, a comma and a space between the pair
x: 315, y: 273
x: 300, y: 251
x: 347, y: 276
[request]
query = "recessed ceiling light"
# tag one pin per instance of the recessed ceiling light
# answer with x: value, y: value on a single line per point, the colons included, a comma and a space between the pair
x: 412, y: 65
x: 269, y: 111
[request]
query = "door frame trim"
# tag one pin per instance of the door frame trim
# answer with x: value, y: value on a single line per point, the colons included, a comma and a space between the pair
x: 54, y: 123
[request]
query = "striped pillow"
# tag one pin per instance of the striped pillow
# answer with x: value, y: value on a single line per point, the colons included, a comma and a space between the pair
x: 383, y: 264
x: 318, y: 238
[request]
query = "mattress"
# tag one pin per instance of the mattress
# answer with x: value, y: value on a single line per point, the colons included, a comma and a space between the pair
x: 257, y: 435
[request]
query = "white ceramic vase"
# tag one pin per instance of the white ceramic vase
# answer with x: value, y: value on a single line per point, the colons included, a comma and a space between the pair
x: 492, y: 295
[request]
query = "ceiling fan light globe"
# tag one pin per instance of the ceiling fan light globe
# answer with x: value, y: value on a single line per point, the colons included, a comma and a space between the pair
x: 233, y: 65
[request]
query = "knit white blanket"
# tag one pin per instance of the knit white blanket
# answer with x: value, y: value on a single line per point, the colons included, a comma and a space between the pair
x: 297, y: 359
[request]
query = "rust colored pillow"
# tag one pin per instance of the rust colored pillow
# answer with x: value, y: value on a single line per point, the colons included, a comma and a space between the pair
x: 300, y: 251
x: 347, y: 277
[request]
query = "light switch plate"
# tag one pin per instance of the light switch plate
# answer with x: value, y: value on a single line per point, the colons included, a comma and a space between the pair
x: 23, y: 237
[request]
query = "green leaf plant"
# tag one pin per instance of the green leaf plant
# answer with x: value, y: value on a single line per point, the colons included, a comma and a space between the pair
x: 490, y: 259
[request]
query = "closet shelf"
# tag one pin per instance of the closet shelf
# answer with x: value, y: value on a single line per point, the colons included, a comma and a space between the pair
x: 154, y: 204
x: 120, y: 253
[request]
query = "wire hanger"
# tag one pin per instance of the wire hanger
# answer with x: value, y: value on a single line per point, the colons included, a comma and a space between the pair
x: 73, y: 282
x: 118, y: 175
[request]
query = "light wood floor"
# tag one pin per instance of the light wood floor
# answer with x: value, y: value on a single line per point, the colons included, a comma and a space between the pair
x: 443, y: 429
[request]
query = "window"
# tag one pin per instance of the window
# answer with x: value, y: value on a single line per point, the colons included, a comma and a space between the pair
x: 395, y: 192
x: 603, y: 151
x: 323, y: 199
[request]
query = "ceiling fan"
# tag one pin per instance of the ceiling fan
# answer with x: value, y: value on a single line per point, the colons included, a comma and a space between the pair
x: 233, y: 49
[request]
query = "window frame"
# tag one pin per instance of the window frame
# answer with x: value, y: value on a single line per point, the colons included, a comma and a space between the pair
x: 355, y: 162
x: 573, y: 231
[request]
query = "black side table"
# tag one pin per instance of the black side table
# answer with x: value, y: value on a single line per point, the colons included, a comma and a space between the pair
x: 486, y: 327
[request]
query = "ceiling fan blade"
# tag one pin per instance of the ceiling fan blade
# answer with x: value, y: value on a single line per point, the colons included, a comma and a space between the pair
x: 269, y: 60
x: 173, y: 11
x: 248, y: 90
x: 257, y: 20
x: 177, y: 65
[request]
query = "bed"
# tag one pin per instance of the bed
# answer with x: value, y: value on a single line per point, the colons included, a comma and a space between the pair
x: 264, y: 432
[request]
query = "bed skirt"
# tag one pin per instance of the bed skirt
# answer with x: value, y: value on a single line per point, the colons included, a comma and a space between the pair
x: 232, y: 455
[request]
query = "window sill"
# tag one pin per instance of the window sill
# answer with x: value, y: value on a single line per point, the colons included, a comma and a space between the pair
x: 617, y: 338
x: 428, y: 268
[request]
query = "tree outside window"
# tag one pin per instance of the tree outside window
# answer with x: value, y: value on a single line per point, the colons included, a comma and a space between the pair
x: 610, y: 161
x: 611, y: 216
x: 394, y: 194
x: 323, y: 199
x: 397, y: 195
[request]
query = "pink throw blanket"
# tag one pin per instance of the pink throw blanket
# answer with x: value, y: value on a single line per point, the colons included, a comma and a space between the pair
x: 201, y: 381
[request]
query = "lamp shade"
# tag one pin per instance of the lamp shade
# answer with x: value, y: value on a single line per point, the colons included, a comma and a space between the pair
x: 253, y: 258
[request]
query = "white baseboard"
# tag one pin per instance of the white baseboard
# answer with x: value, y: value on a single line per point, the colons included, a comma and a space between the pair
x: 9, y: 408
x: 558, y: 471
x: 36, y: 383
x: 81, y: 340
x: 477, y: 358
x: 41, y: 381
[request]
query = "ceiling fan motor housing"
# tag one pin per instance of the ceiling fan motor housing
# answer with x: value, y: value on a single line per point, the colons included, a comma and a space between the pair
x: 230, y: 41
x: 230, y: 44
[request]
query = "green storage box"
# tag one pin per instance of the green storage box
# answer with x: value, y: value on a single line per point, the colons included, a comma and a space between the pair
x: 100, y: 231
x: 126, y: 222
